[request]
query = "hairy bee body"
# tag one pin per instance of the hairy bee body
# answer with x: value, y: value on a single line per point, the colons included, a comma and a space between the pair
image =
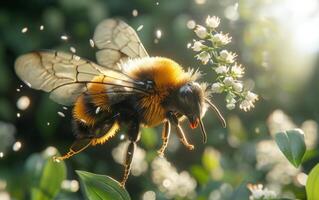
x: 162, y: 74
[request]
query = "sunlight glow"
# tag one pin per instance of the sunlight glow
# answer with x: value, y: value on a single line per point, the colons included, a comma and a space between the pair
x: 303, y: 22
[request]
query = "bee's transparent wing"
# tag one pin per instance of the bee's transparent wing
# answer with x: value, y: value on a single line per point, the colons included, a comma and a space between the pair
x: 66, y: 76
x: 116, y: 42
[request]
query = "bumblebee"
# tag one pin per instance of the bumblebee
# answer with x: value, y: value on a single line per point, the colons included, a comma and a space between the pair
x: 127, y: 88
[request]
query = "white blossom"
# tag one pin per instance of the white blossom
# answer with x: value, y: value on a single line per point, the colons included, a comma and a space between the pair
x: 252, y: 97
x: 198, y: 45
x: 229, y: 81
x: 201, y: 31
x: 212, y: 22
x: 238, y: 87
x: 217, y: 88
x: 221, y: 39
x: 237, y: 70
x: 249, y: 101
x: 246, y: 105
x: 221, y: 69
x: 230, y: 106
x: 231, y: 103
x: 258, y: 192
x: 170, y: 182
x: 204, y: 57
x: 227, y: 56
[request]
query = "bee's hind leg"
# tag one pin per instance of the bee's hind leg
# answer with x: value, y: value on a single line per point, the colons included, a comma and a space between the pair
x: 77, y: 146
x: 133, y: 135
x: 165, y: 137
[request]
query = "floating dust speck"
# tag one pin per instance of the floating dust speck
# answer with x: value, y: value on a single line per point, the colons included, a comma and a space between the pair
x: 72, y: 49
x: 23, y: 103
x: 191, y: 24
x: 64, y: 37
x: 135, y: 13
x: 65, y: 108
x: 17, y: 146
x: 24, y: 30
x: 48, y: 123
x: 158, y: 33
x: 157, y: 3
x: 18, y: 115
x: 156, y: 41
x: 61, y: 114
x: 1, y: 154
x: 98, y: 109
x: 189, y: 45
x: 41, y: 28
x: 122, y: 137
x: 92, y: 43
x: 21, y: 86
x: 18, y: 90
x: 139, y: 28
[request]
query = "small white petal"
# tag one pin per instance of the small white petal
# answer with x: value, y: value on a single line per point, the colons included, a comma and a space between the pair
x: 201, y: 31
x: 221, y: 69
x: 212, y: 22
x: 198, y: 46
x: 217, y: 88
x: 229, y: 81
x: 238, y: 87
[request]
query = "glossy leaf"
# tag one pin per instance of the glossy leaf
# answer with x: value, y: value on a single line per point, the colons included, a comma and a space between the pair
x: 45, y: 176
x: 101, y: 187
x: 312, y: 185
x: 292, y: 145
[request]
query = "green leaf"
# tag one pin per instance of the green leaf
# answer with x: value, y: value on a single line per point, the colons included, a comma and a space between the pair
x: 101, y: 187
x: 45, y: 176
x: 292, y: 145
x: 312, y: 184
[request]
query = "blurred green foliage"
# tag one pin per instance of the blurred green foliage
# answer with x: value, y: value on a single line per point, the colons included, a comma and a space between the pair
x: 285, y: 76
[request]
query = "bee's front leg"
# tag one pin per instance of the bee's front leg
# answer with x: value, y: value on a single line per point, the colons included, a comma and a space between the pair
x: 133, y: 135
x: 180, y: 133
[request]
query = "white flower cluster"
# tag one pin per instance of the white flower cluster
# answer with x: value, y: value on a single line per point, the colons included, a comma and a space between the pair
x: 139, y: 164
x: 260, y: 193
x: 210, y: 50
x: 170, y: 182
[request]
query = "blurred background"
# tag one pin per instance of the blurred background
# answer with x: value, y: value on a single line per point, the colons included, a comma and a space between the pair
x: 277, y: 42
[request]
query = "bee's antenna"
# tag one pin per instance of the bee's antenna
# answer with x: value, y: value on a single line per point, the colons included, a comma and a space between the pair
x: 202, y: 128
x: 220, y: 116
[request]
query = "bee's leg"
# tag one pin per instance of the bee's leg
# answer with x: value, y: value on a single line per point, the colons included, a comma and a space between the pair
x: 83, y: 140
x: 86, y: 136
x: 180, y: 133
x: 77, y: 146
x: 165, y: 136
x: 133, y: 135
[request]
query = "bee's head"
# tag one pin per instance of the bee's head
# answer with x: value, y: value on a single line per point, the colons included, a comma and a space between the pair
x: 191, y: 101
